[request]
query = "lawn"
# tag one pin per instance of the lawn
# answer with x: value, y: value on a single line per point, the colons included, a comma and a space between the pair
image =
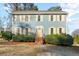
x: 32, y: 49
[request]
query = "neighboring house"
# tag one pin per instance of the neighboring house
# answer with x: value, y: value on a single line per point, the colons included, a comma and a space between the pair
x: 39, y: 22
x: 75, y: 33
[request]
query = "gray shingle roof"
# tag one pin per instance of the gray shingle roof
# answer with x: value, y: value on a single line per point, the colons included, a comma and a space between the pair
x: 39, y: 12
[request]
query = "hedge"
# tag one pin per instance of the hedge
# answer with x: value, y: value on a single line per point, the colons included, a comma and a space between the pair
x: 77, y: 39
x: 7, y: 35
x: 23, y: 38
x: 61, y: 39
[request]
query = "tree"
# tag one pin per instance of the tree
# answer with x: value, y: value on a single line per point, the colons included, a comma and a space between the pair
x: 34, y: 8
x: 1, y: 24
x: 57, y: 8
x: 20, y: 6
x: 75, y: 33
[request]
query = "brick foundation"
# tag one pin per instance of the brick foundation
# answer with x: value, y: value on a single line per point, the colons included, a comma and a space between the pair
x: 39, y: 40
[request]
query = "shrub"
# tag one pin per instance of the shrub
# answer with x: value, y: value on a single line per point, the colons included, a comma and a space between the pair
x: 23, y: 38
x: 7, y: 35
x: 51, y: 39
x: 76, y: 39
x: 61, y: 39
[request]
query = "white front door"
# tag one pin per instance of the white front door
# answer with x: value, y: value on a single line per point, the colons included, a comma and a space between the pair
x: 39, y: 32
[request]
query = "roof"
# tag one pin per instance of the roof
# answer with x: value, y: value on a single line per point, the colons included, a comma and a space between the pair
x: 39, y: 12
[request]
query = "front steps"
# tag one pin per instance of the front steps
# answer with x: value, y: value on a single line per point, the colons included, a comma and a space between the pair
x: 39, y: 40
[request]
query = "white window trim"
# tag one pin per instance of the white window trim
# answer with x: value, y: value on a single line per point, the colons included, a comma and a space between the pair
x: 62, y: 18
x: 49, y: 18
x: 63, y: 30
x: 41, y: 18
x: 49, y: 30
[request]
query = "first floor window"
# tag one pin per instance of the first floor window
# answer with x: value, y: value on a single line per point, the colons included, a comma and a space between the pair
x: 60, y: 30
x: 22, y: 31
x: 26, y: 30
x: 18, y: 31
x: 52, y: 30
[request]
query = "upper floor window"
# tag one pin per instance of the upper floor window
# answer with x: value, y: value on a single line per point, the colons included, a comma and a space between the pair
x: 38, y: 17
x: 51, y: 17
x: 26, y: 17
x: 60, y: 18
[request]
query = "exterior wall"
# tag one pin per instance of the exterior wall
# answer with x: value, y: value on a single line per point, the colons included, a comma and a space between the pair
x: 45, y: 23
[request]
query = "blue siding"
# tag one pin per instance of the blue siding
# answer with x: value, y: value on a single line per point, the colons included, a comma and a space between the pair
x: 45, y: 23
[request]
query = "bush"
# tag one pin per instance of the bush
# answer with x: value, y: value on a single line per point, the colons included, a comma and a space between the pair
x: 51, y: 39
x: 76, y: 39
x: 7, y: 35
x: 23, y: 38
x: 61, y: 39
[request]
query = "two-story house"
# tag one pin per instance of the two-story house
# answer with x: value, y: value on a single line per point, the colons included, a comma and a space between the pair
x: 39, y: 22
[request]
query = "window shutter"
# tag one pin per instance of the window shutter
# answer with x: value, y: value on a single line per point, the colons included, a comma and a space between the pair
x: 29, y: 17
x: 63, y: 17
x: 54, y: 17
x: 20, y: 18
x: 49, y: 18
x: 58, y: 17
x: 41, y: 17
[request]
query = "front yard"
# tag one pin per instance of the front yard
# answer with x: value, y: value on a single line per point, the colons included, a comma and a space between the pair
x: 32, y: 49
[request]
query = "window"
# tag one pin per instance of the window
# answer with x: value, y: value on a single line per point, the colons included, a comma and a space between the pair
x: 60, y: 30
x: 22, y: 31
x: 54, y: 17
x: 38, y: 17
x: 26, y: 18
x: 27, y: 31
x: 51, y: 17
x: 60, y: 18
x: 18, y: 31
x: 52, y: 31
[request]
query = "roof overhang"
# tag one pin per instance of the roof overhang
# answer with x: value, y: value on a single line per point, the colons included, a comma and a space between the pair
x: 38, y: 12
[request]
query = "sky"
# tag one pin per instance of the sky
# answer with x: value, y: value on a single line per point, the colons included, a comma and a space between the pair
x: 71, y: 8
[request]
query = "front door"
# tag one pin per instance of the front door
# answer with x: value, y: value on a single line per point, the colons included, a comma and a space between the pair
x: 39, y: 32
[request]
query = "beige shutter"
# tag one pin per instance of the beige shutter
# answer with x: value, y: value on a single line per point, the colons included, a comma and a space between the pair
x: 15, y: 18
x: 58, y: 17
x: 54, y: 30
x: 49, y: 31
x: 49, y: 17
x: 63, y: 17
x: 41, y: 17
x: 20, y: 18
x: 57, y: 30
x: 29, y: 29
x: 54, y: 17
x: 29, y: 17
x: 63, y: 30
x: 24, y: 18
x: 36, y: 17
